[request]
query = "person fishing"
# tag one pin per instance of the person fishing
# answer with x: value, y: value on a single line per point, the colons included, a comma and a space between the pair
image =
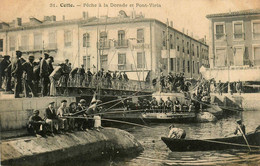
x: 176, y: 133
x: 240, y: 128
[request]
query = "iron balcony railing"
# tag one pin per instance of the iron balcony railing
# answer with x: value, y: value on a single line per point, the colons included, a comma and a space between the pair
x: 121, y: 43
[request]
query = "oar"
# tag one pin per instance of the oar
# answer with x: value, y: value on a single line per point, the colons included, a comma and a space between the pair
x: 244, y: 137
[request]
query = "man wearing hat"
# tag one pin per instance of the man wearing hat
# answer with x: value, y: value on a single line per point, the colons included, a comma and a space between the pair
x: 37, y: 125
x: 49, y: 61
x: 61, y: 112
x: 240, y: 128
x: 3, y: 66
x: 52, y: 118
x: 17, y: 72
x: 44, y: 75
x: 82, y: 108
x: 55, y: 76
x: 29, y: 77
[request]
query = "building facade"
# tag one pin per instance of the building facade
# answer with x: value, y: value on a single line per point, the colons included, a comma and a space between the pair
x: 235, y: 38
x: 133, y: 44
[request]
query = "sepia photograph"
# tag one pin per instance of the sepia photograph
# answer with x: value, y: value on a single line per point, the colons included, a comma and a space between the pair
x: 129, y: 82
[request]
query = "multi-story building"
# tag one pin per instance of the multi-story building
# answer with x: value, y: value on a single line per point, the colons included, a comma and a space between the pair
x: 138, y: 45
x: 133, y: 44
x: 235, y: 38
x: 58, y: 38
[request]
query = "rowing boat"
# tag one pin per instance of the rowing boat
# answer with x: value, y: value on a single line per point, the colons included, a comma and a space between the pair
x: 235, y: 142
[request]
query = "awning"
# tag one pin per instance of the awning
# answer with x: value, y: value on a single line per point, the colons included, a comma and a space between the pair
x: 137, y: 75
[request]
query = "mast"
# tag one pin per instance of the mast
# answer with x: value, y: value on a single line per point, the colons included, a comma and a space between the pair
x: 168, y: 47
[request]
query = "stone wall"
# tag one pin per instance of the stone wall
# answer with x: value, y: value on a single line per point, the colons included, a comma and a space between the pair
x: 87, y: 145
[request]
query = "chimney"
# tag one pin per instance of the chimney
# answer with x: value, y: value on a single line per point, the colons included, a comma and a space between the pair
x: 187, y: 32
x: 171, y: 23
x: 134, y: 14
x: 85, y: 15
x: 183, y: 30
x: 205, y: 38
x: 63, y: 18
x: 53, y: 18
x: 18, y: 22
x: 191, y: 34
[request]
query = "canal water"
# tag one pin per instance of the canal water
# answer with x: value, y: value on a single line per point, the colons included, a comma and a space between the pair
x: 156, y: 152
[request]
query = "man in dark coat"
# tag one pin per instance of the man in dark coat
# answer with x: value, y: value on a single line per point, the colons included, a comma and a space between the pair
x: 29, y: 77
x: 3, y: 66
x: 44, y: 75
x: 89, y: 77
x: 17, y: 72
x: 51, y: 118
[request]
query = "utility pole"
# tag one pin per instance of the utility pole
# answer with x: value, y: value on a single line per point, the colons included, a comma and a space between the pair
x: 143, y: 59
x: 168, y: 47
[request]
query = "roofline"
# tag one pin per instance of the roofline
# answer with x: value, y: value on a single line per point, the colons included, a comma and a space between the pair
x: 235, y: 13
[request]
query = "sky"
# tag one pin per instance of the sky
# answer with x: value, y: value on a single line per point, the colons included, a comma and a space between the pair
x: 188, y: 14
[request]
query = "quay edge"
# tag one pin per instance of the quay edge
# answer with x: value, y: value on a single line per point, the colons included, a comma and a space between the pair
x: 88, y: 145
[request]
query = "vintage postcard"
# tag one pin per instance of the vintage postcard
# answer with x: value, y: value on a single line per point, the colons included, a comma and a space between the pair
x: 130, y: 82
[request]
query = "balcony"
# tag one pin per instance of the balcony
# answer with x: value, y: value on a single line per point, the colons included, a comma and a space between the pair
x: 121, y: 43
x: 239, y: 36
x: 220, y: 36
x: 104, y: 45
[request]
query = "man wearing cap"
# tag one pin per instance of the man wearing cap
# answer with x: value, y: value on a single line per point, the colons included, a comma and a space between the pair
x: 55, y: 77
x: 240, y: 128
x: 80, y: 76
x: 44, y: 75
x: 3, y: 66
x: 29, y: 77
x: 82, y: 108
x: 61, y: 112
x: 49, y: 61
x: 37, y: 125
x: 176, y: 133
x: 52, y: 118
x: 89, y: 77
x: 17, y: 72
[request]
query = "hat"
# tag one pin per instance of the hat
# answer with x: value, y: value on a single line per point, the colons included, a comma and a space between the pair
x: 72, y: 103
x: 63, y: 101
x: 6, y: 56
x: 36, y: 111
x: 52, y: 102
x: 171, y: 126
x: 239, y: 121
x: 46, y: 54
x: 66, y: 59
x: 31, y: 57
x: 82, y: 101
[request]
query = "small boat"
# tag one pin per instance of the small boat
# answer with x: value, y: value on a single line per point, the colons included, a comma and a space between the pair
x: 235, y: 142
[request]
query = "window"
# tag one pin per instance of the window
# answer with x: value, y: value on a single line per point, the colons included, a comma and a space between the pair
x: 188, y: 47
x: 172, y: 64
x: 183, y: 46
x: 183, y: 66
x: 238, y: 30
x: 140, y: 59
x: 121, y: 38
x: 67, y: 38
x: 193, y: 67
x: 256, y: 29
x: 140, y: 36
x: 163, y: 39
x: 188, y: 66
x: 1, y: 45
x: 24, y: 42
x: 219, y: 31
x: 178, y: 64
x: 198, y: 66
x: 86, y: 40
x: 52, y: 40
x: 178, y: 48
x: 256, y: 52
x: 198, y: 52
x: 12, y: 44
x: 38, y: 41
x: 192, y: 47
x: 171, y: 41
x: 121, y: 61
x: 103, y: 40
x: 220, y: 57
x: 238, y: 56
x: 103, y: 61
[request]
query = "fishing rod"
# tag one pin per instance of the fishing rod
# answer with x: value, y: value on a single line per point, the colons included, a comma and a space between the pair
x: 111, y: 120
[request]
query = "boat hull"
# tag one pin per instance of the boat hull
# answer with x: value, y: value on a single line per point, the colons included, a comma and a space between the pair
x: 236, y: 142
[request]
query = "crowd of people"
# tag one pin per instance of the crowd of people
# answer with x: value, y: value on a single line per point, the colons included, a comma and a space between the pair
x: 67, y: 118
x: 160, y: 106
x: 171, y: 83
x: 34, y: 77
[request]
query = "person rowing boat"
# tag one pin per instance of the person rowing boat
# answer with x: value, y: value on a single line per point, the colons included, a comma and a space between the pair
x: 176, y: 133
